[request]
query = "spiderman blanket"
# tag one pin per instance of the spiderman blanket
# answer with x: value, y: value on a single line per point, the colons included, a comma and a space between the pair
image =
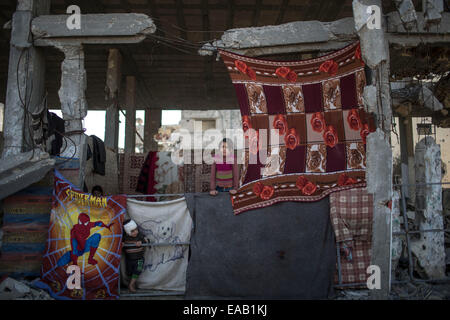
x: 84, y: 243
x: 305, y: 126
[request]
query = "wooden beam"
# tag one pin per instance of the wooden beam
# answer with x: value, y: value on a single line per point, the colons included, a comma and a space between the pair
x: 282, y: 12
x: 230, y: 17
x: 330, y: 10
x: 130, y: 107
x: 91, y: 4
x: 256, y: 13
x: 155, y: 16
x: 208, y: 64
x: 180, y: 19
x: 126, y: 5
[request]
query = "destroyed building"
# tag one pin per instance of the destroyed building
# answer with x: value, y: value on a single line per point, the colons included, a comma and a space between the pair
x: 157, y: 55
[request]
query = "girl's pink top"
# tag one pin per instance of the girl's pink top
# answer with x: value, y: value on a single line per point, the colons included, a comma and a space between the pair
x: 224, y: 172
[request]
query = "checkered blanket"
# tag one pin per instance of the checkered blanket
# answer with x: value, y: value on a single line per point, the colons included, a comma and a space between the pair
x: 317, y: 107
x: 351, y: 213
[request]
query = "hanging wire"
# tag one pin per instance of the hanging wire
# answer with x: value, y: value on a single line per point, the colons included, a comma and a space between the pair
x: 25, y: 102
x: 185, y: 30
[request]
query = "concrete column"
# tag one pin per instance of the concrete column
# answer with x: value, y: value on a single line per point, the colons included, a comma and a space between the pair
x: 151, y: 126
x: 73, y: 104
x: 26, y: 71
x: 113, y: 81
x: 130, y: 124
x: 375, y: 53
x: 429, y: 248
x: 72, y: 96
x: 407, y: 156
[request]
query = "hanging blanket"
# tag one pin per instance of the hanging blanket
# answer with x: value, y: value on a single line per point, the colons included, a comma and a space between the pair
x: 25, y: 223
x: 351, y: 213
x: 167, y: 225
x: 197, y: 177
x: 85, y: 231
x: 166, y: 176
x: 284, y: 251
x: 317, y: 107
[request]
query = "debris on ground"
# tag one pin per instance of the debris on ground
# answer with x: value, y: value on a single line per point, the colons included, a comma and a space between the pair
x: 11, y: 289
x: 362, y: 294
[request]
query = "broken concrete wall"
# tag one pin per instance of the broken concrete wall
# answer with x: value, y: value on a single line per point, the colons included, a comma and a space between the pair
x: 429, y: 247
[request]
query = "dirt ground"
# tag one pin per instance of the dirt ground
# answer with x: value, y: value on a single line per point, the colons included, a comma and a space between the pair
x: 407, y: 291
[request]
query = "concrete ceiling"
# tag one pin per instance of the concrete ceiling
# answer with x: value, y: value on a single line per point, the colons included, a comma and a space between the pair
x: 170, y: 73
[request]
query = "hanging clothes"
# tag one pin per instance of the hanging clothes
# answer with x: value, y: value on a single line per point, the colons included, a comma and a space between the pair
x: 168, y: 225
x: 351, y: 214
x: 55, y: 128
x: 85, y: 231
x: 146, y: 180
x: 285, y: 251
x: 98, y: 154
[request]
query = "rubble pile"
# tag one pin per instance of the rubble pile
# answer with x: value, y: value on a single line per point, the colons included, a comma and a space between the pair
x: 11, y: 289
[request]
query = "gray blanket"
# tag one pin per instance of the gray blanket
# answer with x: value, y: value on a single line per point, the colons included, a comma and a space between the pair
x: 284, y: 251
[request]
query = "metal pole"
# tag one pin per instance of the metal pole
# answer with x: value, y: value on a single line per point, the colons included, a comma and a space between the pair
x: 155, y: 195
x: 161, y: 244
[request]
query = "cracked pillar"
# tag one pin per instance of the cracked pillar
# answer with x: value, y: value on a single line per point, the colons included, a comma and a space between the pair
x: 375, y: 53
x: 113, y: 81
x: 429, y: 248
x: 130, y: 122
x: 73, y: 103
x: 26, y: 69
x: 152, y: 125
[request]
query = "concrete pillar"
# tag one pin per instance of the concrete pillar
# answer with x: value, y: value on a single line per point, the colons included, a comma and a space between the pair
x: 407, y: 156
x: 429, y: 248
x: 152, y: 124
x: 113, y: 81
x: 72, y: 97
x: 73, y: 104
x: 130, y: 122
x: 375, y: 53
x: 26, y: 72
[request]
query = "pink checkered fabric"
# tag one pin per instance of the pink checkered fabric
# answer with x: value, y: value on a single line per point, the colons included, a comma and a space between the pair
x: 351, y: 213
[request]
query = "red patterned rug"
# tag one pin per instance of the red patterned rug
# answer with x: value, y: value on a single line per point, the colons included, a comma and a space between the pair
x: 317, y: 107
